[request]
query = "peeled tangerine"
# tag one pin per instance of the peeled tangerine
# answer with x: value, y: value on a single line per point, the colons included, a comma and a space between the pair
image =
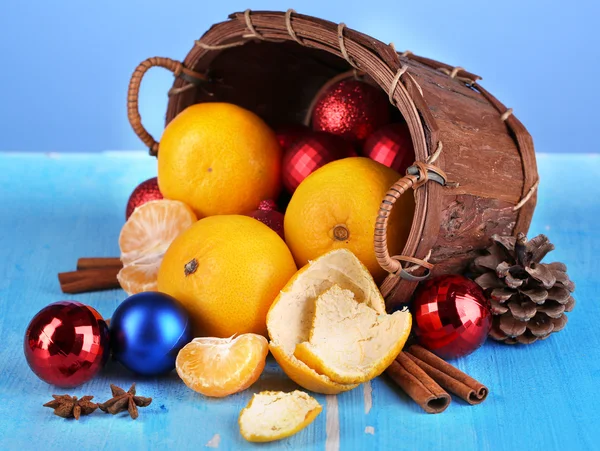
x: 290, y: 318
x: 144, y: 239
x: 350, y: 342
x: 219, y: 367
x: 273, y: 415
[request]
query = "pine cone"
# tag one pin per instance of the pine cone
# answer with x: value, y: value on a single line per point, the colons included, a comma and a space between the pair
x: 528, y: 298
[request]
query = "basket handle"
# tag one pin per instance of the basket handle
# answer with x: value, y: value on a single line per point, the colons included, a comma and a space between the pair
x: 133, y: 111
x: 416, y: 176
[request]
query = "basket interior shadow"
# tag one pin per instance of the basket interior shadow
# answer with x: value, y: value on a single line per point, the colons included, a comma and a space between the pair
x: 277, y: 81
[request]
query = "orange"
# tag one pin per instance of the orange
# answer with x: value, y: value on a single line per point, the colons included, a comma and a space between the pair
x: 222, y: 366
x: 291, y: 316
x: 144, y: 239
x: 274, y: 415
x: 219, y: 159
x: 226, y: 271
x: 337, y: 206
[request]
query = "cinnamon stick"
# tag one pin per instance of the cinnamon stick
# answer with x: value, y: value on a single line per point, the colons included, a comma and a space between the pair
x: 89, y: 280
x: 418, y: 385
x: 98, y: 262
x: 449, y: 377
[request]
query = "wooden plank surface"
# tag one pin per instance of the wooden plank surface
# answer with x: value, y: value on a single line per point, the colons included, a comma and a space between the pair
x: 56, y: 208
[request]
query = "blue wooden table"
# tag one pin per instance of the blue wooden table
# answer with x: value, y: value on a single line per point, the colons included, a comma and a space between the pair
x: 56, y: 208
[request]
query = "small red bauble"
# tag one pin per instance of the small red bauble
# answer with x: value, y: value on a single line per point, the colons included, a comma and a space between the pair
x: 66, y: 343
x: 289, y: 134
x: 392, y: 146
x: 144, y: 192
x: 267, y: 214
x: 309, y: 153
x: 351, y: 109
x: 451, y: 316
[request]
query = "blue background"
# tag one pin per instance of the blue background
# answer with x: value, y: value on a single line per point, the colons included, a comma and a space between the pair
x: 66, y: 64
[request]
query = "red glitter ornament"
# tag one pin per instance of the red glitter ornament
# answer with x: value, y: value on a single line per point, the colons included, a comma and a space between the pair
x: 451, y: 316
x: 66, y: 343
x: 144, y: 192
x: 289, y: 134
x: 309, y: 153
x: 392, y: 146
x: 267, y: 214
x: 351, y: 109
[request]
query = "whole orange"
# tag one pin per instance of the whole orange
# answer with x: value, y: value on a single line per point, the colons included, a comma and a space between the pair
x: 219, y: 158
x: 226, y: 271
x: 337, y: 206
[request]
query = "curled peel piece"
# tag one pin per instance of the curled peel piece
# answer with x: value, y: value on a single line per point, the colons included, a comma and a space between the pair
x: 349, y: 341
x: 290, y: 316
x: 274, y: 415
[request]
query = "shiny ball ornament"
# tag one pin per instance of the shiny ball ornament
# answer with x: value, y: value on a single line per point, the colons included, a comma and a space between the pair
x: 267, y: 214
x: 451, y: 316
x: 144, y: 192
x: 392, y: 146
x: 289, y: 134
x: 351, y: 109
x: 147, y: 331
x: 66, y: 343
x: 309, y: 153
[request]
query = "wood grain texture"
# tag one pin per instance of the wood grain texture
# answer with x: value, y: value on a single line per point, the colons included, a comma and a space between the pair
x: 541, y: 395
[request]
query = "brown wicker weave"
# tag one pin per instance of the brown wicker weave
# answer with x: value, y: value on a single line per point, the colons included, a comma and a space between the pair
x: 475, y: 173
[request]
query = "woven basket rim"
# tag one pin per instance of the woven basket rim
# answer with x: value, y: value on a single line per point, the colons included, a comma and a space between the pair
x: 388, y: 69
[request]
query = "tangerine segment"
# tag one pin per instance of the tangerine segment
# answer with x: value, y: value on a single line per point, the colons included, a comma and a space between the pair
x: 152, y: 227
x: 273, y: 415
x: 349, y: 341
x: 219, y: 367
x: 136, y: 278
x: 144, y: 239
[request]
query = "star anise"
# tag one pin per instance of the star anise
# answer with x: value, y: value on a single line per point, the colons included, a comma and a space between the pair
x: 70, y: 407
x: 124, y: 400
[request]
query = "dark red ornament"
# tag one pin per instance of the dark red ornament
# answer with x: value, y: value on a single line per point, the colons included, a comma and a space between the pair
x: 451, y: 316
x: 351, y: 109
x: 309, y: 153
x: 289, y: 134
x: 144, y: 192
x: 392, y: 146
x: 66, y: 343
x: 267, y: 214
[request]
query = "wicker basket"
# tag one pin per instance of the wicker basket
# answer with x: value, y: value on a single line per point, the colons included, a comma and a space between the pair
x: 475, y: 173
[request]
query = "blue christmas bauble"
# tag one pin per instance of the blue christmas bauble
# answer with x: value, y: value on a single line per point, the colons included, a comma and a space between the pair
x: 147, y: 331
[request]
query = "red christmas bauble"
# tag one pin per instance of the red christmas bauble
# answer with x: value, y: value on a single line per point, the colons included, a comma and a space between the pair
x: 451, y: 316
x: 267, y: 214
x: 66, y: 343
x: 289, y: 134
x: 144, y: 192
x: 309, y: 153
x: 351, y: 109
x: 392, y: 146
